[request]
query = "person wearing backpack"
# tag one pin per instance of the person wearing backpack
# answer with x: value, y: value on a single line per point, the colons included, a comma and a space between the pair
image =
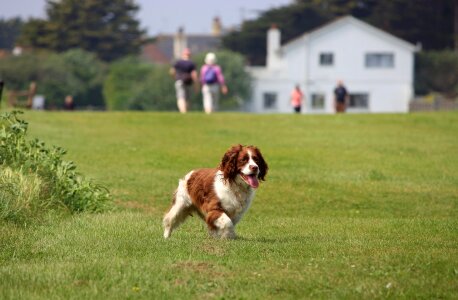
x: 212, y: 80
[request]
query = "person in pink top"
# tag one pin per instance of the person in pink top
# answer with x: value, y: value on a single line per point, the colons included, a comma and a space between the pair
x: 297, y: 97
x: 212, y: 80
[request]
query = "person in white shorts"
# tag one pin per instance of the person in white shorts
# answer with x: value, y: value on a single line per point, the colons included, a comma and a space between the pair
x: 185, y: 74
x: 212, y: 80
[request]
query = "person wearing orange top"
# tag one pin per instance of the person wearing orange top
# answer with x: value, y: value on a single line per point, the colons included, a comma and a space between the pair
x: 297, y: 97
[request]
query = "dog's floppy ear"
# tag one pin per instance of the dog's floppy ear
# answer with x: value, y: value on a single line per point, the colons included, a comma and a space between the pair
x: 229, y: 162
x: 263, y: 167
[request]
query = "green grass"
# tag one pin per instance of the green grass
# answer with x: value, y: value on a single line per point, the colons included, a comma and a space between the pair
x: 354, y: 206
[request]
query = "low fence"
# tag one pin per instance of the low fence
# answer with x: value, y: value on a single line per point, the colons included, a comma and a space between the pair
x: 434, y: 105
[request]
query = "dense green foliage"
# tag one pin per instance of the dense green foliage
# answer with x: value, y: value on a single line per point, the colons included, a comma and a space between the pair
x: 34, y: 178
x: 9, y: 31
x: 437, y: 71
x: 105, y: 27
x: 133, y: 84
x: 74, y: 72
x: 353, y: 207
x: 429, y: 22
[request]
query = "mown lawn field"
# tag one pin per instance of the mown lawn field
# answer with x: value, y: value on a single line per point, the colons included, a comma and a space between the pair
x: 354, y: 206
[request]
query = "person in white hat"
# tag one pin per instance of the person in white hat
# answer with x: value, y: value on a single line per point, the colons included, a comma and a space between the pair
x: 212, y: 80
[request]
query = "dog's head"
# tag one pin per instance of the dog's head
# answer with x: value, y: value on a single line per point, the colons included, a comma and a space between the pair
x: 246, y: 162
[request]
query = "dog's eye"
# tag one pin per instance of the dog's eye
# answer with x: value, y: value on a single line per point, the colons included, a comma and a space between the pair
x: 244, y: 159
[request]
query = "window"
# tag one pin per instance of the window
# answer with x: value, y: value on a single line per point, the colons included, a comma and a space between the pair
x: 317, y: 101
x: 326, y: 59
x: 359, y: 101
x: 379, y: 60
x: 270, y: 100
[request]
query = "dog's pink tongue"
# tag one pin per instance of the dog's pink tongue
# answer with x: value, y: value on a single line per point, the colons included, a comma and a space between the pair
x: 253, y: 181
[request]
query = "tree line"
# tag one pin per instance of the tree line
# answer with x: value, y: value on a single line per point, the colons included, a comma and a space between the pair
x: 430, y: 23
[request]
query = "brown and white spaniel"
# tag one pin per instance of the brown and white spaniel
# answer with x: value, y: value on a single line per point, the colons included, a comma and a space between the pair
x: 220, y: 196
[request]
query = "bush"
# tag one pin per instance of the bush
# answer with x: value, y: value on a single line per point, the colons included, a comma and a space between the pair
x: 155, y: 92
x: 437, y: 71
x: 134, y: 84
x: 56, y: 80
x: 35, y: 179
x: 18, y: 71
x: 123, y: 81
x: 75, y: 72
x: 90, y: 73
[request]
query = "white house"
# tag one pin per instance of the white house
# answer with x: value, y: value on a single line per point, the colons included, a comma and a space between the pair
x: 375, y: 66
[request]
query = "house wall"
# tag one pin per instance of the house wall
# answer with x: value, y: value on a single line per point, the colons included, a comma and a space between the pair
x: 389, y: 89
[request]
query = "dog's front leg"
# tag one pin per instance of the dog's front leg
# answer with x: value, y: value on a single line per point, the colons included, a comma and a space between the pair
x: 220, y: 225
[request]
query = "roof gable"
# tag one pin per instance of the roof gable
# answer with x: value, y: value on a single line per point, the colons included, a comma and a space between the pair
x: 337, y: 24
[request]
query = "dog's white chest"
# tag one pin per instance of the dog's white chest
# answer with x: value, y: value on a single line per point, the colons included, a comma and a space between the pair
x: 234, y: 199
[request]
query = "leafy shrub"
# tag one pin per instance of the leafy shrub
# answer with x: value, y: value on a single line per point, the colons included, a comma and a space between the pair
x: 35, y: 178
x: 137, y: 85
x: 123, y: 81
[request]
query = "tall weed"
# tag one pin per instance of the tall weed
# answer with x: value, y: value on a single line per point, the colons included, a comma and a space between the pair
x: 34, y: 178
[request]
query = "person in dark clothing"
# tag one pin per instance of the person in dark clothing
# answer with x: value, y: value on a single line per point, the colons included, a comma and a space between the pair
x: 341, y: 97
x: 69, y: 104
x: 185, y: 74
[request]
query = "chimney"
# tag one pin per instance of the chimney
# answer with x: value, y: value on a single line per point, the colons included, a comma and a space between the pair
x: 273, y: 47
x: 179, y: 43
x: 216, y: 26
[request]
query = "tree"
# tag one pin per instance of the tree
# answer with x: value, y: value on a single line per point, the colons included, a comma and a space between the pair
x: 437, y: 71
x: 105, y: 27
x: 293, y: 21
x: 9, y: 31
x: 428, y: 22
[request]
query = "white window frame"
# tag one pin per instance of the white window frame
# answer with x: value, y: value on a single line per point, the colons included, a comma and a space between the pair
x: 379, y: 60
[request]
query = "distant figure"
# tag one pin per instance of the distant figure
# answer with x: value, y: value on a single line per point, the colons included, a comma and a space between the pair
x: 185, y: 74
x: 38, y: 102
x: 341, y: 97
x: 212, y: 80
x: 297, y: 97
x: 69, y: 104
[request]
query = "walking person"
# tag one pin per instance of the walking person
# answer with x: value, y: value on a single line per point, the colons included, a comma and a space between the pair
x: 212, y: 80
x: 185, y: 74
x: 297, y: 98
x: 341, y: 97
